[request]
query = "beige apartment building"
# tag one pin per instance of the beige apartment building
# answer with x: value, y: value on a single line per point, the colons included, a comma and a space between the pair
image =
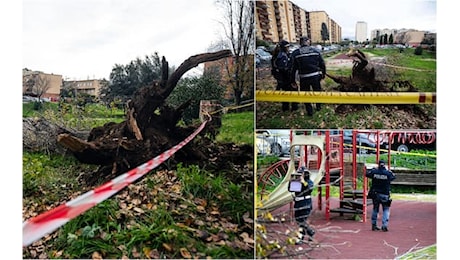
x: 37, y: 83
x: 91, y: 87
x: 275, y: 21
x: 284, y: 20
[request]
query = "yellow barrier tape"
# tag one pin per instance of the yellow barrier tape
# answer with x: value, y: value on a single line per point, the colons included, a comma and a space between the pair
x: 385, y: 98
x: 231, y: 108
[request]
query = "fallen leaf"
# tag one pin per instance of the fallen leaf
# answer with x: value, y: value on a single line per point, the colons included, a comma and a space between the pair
x: 96, y: 256
x: 214, y: 212
x: 199, y: 223
x: 246, y: 238
x: 139, y: 210
x: 168, y: 247
x: 146, y: 251
x: 185, y: 253
x: 247, y: 219
x: 154, y: 254
x: 200, y: 209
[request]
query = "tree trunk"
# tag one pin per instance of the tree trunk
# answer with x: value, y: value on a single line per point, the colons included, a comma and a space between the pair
x: 150, y: 127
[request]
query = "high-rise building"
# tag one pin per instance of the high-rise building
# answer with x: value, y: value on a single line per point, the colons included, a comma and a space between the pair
x: 284, y: 20
x: 321, y: 23
x: 361, y: 32
x: 275, y: 21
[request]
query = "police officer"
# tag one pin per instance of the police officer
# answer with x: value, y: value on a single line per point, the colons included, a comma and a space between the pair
x: 309, y: 64
x: 303, y: 205
x: 280, y: 71
x: 380, y: 194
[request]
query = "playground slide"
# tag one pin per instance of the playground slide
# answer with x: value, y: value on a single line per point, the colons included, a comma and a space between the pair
x: 280, y: 195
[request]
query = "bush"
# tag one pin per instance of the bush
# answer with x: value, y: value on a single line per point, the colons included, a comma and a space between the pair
x: 418, y: 50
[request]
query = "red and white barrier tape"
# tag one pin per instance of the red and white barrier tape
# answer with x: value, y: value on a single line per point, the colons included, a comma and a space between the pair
x: 45, y: 223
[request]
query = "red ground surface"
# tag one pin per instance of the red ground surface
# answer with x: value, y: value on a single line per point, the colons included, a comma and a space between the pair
x: 412, y: 226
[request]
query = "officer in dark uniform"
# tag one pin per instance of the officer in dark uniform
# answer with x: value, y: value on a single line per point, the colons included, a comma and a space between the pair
x: 303, y: 205
x: 380, y: 194
x: 280, y: 71
x: 309, y: 64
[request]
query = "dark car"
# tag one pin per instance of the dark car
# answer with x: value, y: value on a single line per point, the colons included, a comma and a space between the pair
x: 263, y: 57
x: 365, y: 142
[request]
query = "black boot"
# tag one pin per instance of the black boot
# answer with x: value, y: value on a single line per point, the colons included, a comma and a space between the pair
x: 310, y: 233
x: 375, y: 228
x: 384, y: 229
x: 309, y: 109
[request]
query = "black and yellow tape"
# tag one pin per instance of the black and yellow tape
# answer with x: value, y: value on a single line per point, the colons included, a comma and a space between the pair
x: 386, y: 98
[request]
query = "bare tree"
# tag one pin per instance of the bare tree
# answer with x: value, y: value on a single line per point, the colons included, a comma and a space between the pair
x: 41, y: 84
x: 238, y: 26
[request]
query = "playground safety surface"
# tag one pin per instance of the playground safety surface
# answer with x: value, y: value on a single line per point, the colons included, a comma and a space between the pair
x: 412, y: 226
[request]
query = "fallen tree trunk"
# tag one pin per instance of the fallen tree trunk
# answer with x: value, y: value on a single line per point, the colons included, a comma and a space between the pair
x: 150, y: 127
x: 39, y: 135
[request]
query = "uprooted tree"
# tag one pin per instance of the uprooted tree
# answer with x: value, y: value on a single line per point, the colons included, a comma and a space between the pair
x: 363, y: 79
x: 149, y: 129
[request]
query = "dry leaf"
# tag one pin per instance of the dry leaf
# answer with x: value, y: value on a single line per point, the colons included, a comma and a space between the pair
x: 247, y: 219
x: 135, y: 253
x: 168, y: 247
x: 96, y: 256
x: 146, y: 251
x: 200, y: 209
x: 246, y: 238
x: 185, y: 253
x: 215, y: 212
x: 139, y: 210
x: 199, y: 223
x: 154, y: 254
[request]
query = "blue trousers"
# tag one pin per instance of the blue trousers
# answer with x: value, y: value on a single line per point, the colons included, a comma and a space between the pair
x: 381, y: 199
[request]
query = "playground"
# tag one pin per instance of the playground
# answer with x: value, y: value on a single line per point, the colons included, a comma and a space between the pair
x: 342, y: 222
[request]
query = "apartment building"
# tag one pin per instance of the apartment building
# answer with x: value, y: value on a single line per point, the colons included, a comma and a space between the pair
x: 409, y: 37
x: 361, y: 31
x: 91, y: 87
x: 375, y: 34
x: 284, y: 20
x: 275, y: 21
x: 37, y: 83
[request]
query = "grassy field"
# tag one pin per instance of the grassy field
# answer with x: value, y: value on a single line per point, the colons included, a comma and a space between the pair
x: 186, y: 212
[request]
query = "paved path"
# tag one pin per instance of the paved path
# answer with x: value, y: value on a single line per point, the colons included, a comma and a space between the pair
x: 412, y: 227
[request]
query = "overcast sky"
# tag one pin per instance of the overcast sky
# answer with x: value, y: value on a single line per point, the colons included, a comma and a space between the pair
x: 391, y: 14
x: 83, y: 38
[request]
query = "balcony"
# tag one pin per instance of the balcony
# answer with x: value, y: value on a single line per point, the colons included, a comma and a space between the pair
x: 261, y: 4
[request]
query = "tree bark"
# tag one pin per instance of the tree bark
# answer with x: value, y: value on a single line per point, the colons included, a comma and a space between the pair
x: 149, y: 129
